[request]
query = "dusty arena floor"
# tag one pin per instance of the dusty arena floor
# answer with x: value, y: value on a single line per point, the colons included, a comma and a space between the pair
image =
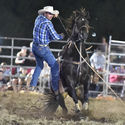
x: 25, y: 108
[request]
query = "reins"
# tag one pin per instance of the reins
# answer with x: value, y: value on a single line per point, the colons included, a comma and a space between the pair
x: 71, y: 62
x: 63, y: 26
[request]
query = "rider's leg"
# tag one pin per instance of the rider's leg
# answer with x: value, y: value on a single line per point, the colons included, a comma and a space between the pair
x: 37, y: 71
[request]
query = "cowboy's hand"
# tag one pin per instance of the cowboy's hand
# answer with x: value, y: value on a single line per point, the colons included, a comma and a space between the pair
x: 56, y: 13
x: 62, y: 34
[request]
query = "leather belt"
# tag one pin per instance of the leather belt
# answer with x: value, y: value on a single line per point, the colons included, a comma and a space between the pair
x: 43, y: 45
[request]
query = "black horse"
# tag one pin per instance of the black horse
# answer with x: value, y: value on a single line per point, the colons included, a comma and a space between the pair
x: 74, y: 71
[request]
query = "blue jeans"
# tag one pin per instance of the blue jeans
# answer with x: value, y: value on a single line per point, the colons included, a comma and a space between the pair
x: 44, y: 54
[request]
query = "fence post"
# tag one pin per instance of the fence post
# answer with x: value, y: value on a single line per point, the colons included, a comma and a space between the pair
x: 11, y: 65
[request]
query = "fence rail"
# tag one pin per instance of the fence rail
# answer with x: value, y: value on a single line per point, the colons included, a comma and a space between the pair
x: 11, y: 55
x: 117, y: 44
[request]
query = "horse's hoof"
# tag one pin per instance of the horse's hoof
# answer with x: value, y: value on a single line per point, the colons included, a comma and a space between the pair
x: 85, y: 106
x: 77, y: 111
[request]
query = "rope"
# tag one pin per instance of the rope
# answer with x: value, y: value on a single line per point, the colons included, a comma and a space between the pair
x: 73, y: 62
x: 89, y: 48
x: 63, y: 26
x: 99, y: 75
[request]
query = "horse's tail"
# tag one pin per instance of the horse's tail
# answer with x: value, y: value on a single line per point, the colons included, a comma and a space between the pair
x: 50, y: 105
x: 52, y: 102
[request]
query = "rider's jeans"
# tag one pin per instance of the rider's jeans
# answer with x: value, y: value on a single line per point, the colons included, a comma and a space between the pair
x: 44, y: 54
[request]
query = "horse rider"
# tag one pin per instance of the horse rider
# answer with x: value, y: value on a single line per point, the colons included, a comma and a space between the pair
x: 43, y: 34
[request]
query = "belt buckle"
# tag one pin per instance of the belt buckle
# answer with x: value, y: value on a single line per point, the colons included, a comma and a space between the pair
x: 43, y: 45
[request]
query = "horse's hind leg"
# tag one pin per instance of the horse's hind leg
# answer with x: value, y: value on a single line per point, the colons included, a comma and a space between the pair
x: 61, y: 102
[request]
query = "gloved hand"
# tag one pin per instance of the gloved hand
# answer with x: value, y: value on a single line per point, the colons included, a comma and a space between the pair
x: 62, y: 34
x: 56, y: 13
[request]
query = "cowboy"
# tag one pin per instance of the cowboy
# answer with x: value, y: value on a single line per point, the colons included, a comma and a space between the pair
x: 43, y: 34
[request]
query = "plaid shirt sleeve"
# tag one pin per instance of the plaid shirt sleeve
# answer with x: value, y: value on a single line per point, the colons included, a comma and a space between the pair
x: 53, y: 33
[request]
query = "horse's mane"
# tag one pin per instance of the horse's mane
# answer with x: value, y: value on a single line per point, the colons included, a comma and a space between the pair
x: 71, y: 20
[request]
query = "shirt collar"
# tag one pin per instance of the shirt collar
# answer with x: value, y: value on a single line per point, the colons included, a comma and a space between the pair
x: 43, y: 17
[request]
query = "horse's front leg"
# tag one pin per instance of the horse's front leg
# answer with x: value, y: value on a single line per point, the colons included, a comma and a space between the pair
x: 72, y: 93
x: 85, y: 100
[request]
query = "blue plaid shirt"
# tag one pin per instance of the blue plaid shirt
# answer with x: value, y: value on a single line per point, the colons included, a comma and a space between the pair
x: 44, y: 32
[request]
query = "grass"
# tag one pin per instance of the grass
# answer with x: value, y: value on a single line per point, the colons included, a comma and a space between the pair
x: 26, y: 109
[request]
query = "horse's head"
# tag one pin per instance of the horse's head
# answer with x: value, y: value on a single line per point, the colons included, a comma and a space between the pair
x: 80, y: 26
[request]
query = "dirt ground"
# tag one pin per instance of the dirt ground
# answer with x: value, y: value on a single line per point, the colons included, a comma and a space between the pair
x: 25, y: 108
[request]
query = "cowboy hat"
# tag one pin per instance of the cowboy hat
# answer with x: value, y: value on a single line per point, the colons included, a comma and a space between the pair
x: 48, y: 9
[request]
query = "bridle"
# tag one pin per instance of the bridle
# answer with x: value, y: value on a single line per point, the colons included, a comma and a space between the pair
x: 80, y: 35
